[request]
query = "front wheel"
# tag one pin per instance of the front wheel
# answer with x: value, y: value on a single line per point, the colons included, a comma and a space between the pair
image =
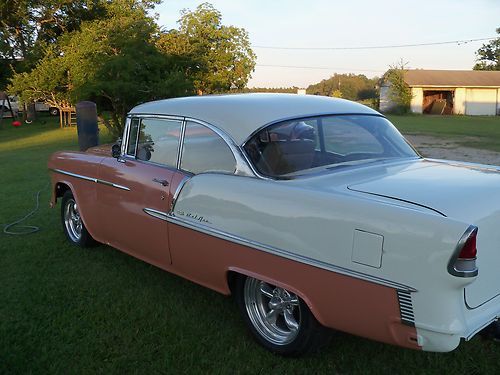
x: 53, y: 111
x: 72, y: 222
x: 278, y: 319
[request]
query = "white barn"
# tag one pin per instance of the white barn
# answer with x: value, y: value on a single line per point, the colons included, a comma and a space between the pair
x: 461, y: 92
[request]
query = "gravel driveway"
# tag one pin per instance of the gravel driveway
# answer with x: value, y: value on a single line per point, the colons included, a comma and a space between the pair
x: 442, y: 148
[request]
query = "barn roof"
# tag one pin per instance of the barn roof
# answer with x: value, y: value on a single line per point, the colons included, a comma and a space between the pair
x: 452, y: 78
x: 239, y: 115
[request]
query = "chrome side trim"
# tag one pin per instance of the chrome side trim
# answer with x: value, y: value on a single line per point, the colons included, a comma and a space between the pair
x: 155, y: 213
x: 86, y: 178
x: 406, y: 308
x: 176, y: 193
x: 171, y: 218
x: 121, y: 187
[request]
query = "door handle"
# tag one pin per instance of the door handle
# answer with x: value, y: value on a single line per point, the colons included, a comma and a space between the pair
x: 163, y: 182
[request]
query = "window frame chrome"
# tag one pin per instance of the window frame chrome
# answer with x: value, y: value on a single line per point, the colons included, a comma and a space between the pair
x: 242, y: 168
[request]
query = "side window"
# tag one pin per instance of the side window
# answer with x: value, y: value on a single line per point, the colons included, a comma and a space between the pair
x: 159, y: 141
x: 204, y: 150
x: 132, y: 139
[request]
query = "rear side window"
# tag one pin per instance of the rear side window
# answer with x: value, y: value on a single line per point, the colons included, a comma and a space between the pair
x: 205, y: 151
x: 159, y: 141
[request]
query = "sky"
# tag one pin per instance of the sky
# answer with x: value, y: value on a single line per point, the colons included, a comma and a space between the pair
x: 355, y: 23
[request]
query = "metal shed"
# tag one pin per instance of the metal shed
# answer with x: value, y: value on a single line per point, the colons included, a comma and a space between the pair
x: 461, y: 92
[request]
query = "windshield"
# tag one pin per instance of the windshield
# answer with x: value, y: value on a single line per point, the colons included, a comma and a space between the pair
x: 296, y: 146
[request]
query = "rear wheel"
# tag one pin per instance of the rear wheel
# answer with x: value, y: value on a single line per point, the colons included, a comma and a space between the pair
x: 53, y: 111
x: 72, y: 222
x: 278, y: 319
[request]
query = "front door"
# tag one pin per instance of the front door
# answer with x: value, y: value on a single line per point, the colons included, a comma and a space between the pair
x: 134, y: 212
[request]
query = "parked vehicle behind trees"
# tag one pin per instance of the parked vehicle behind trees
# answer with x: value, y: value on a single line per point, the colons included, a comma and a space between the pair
x: 39, y: 106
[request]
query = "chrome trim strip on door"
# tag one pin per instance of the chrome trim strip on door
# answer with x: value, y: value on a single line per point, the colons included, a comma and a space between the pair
x: 121, y: 187
x: 171, y: 218
x: 155, y: 213
x: 87, y: 178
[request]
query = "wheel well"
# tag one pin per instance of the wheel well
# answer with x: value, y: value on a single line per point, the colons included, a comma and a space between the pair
x: 232, y: 278
x: 232, y: 282
x: 60, y: 189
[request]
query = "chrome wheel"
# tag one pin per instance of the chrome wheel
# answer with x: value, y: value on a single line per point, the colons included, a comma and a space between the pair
x: 72, y: 220
x: 273, y: 311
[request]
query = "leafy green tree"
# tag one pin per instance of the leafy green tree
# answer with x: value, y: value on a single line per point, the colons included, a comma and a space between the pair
x: 218, y: 57
x: 399, y: 91
x: 114, y: 62
x: 488, y: 56
x: 350, y: 86
x: 337, y: 94
x: 29, y: 27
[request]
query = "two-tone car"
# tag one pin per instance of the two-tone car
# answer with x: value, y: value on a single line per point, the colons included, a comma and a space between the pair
x: 313, y: 212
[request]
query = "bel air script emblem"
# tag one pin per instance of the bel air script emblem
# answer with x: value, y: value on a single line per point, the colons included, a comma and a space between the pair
x: 196, y: 217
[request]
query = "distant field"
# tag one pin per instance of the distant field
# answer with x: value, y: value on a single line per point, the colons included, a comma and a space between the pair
x: 65, y: 310
x: 472, y: 131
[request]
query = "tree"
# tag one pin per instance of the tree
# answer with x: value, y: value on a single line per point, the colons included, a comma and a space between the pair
x: 29, y: 27
x: 336, y: 94
x: 399, y: 91
x: 350, y: 86
x: 218, y: 57
x: 488, y: 56
x: 114, y: 62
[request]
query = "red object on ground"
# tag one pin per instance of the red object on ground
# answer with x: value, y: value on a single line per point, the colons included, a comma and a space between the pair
x: 16, y: 123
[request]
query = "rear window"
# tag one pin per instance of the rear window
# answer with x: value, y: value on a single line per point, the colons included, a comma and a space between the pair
x: 297, y: 146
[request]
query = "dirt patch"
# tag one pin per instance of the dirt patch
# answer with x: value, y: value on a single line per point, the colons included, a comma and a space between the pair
x: 450, y: 149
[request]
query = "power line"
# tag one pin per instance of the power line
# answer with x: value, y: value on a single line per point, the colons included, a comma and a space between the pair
x: 459, y: 42
x: 321, y: 67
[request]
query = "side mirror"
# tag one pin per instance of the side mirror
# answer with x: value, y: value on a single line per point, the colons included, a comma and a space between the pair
x: 116, y: 150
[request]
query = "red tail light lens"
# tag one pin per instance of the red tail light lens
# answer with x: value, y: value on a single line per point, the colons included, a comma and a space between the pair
x: 469, y: 251
x: 463, y: 261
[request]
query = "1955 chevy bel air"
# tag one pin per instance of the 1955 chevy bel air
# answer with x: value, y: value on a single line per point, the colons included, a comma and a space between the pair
x: 313, y: 212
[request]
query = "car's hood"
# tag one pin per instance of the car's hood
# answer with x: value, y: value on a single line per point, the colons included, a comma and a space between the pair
x: 460, y: 190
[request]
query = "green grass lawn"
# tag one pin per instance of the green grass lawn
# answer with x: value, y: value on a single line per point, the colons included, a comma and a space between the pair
x: 472, y: 131
x: 68, y: 310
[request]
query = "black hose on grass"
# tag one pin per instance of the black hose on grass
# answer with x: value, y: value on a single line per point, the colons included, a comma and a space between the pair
x: 26, y: 229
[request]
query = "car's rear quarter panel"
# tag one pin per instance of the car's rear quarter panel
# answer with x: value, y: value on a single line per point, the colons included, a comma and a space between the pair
x: 337, y: 301
x: 312, y: 226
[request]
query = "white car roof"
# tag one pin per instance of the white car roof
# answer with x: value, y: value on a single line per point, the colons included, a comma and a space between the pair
x: 240, y: 115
